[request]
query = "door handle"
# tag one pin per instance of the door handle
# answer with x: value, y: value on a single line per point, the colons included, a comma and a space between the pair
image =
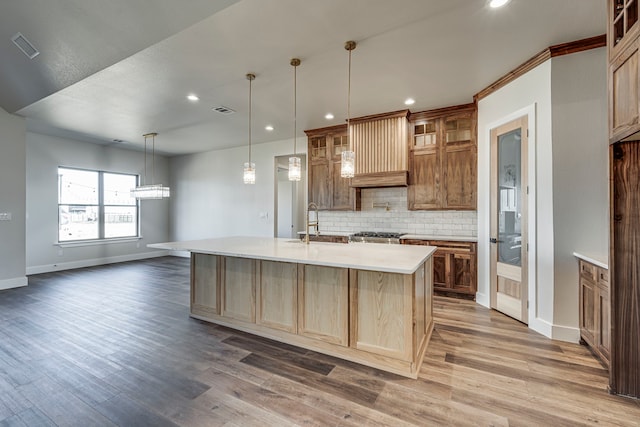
x: 493, y: 240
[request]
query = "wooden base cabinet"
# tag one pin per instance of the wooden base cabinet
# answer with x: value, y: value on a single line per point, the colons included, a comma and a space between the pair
x: 383, y: 320
x: 454, y: 267
x: 594, y: 313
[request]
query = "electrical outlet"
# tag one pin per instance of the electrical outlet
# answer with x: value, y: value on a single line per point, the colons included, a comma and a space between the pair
x: 5, y: 216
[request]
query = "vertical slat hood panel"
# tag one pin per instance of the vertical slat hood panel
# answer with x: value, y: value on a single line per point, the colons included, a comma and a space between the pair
x: 382, y: 155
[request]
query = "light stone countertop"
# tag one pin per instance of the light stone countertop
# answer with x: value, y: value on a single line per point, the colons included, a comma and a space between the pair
x: 441, y: 238
x: 597, y: 259
x: 404, y: 259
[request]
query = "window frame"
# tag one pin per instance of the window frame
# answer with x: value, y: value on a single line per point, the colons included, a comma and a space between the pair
x: 101, y: 210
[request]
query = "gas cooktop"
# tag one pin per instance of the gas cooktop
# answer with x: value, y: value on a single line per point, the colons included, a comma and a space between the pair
x: 383, y: 234
x: 375, y: 237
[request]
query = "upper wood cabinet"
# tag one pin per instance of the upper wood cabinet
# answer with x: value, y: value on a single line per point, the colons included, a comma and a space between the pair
x: 327, y: 188
x: 443, y: 159
x: 622, y: 26
x: 623, y: 44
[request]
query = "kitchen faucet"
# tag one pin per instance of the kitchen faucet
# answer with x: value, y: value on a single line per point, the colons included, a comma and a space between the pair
x: 313, y: 224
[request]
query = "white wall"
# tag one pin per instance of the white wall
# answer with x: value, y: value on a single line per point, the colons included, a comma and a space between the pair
x: 210, y: 199
x: 580, y: 174
x: 532, y: 89
x: 568, y: 95
x: 12, y: 200
x: 44, y: 155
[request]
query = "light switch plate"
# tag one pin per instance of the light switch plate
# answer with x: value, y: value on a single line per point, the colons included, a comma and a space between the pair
x: 5, y: 216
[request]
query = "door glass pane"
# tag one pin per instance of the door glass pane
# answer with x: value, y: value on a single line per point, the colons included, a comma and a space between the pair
x: 509, y: 198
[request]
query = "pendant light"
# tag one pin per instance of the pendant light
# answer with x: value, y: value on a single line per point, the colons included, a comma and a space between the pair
x: 150, y: 191
x: 295, y: 168
x: 347, y: 163
x: 249, y: 176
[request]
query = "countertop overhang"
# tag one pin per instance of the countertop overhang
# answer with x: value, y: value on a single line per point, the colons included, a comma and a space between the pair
x: 403, y: 259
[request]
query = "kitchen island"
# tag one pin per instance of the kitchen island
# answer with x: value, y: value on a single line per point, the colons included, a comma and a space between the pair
x: 363, y: 302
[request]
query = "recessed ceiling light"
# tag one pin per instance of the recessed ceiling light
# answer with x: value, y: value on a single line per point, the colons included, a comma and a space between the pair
x: 192, y: 98
x: 498, y: 3
x: 269, y: 128
x: 328, y: 116
x: 409, y: 101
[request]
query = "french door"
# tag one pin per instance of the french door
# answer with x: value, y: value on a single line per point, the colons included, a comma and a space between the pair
x: 509, y: 188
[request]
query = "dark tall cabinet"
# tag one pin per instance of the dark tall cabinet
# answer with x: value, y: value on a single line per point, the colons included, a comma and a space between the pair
x: 624, y: 158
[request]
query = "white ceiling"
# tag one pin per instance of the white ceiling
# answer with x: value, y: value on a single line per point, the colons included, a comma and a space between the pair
x: 120, y: 68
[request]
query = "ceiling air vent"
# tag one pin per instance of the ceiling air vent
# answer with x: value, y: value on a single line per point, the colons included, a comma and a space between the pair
x: 25, y: 45
x: 223, y: 110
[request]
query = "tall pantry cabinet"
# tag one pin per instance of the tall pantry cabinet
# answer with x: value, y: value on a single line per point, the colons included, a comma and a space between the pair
x: 624, y: 175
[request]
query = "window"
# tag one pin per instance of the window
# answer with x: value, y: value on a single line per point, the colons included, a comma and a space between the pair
x: 95, y: 205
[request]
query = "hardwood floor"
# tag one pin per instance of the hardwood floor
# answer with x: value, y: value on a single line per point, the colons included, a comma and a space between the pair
x: 114, y: 345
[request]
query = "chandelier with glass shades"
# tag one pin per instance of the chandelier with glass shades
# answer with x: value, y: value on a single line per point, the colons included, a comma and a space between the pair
x: 146, y: 190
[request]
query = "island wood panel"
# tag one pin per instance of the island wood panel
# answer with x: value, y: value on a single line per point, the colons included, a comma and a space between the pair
x: 323, y: 303
x: 382, y: 313
x: 419, y: 307
x: 205, y: 292
x: 239, y: 289
x: 624, y: 268
x: 277, y: 296
x: 428, y: 297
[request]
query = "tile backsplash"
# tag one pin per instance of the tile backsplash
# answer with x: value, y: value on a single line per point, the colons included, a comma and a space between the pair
x: 398, y: 218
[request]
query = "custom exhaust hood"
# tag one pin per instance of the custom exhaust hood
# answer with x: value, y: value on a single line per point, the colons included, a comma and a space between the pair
x: 382, y: 155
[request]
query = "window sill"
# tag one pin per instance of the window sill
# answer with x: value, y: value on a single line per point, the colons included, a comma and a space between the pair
x: 97, y: 242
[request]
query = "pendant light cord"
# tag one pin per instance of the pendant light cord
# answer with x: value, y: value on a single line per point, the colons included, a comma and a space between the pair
x: 145, y: 160
x: 349, y: 105
x: 295, y: 98
x: 250, y: 79
x: 350, y: 45
x: 153, y: 159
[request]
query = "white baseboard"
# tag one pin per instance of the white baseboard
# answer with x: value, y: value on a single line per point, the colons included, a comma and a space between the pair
x: 16, y: 282
x: 555, y: 332
x: 483, y: 299
x: 541, y: 326
x: 38, y: 269
x: 566, y: 333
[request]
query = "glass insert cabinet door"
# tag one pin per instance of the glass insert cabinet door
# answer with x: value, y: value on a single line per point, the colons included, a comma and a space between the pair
x: 509, y: 289
x: 510, y: 198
